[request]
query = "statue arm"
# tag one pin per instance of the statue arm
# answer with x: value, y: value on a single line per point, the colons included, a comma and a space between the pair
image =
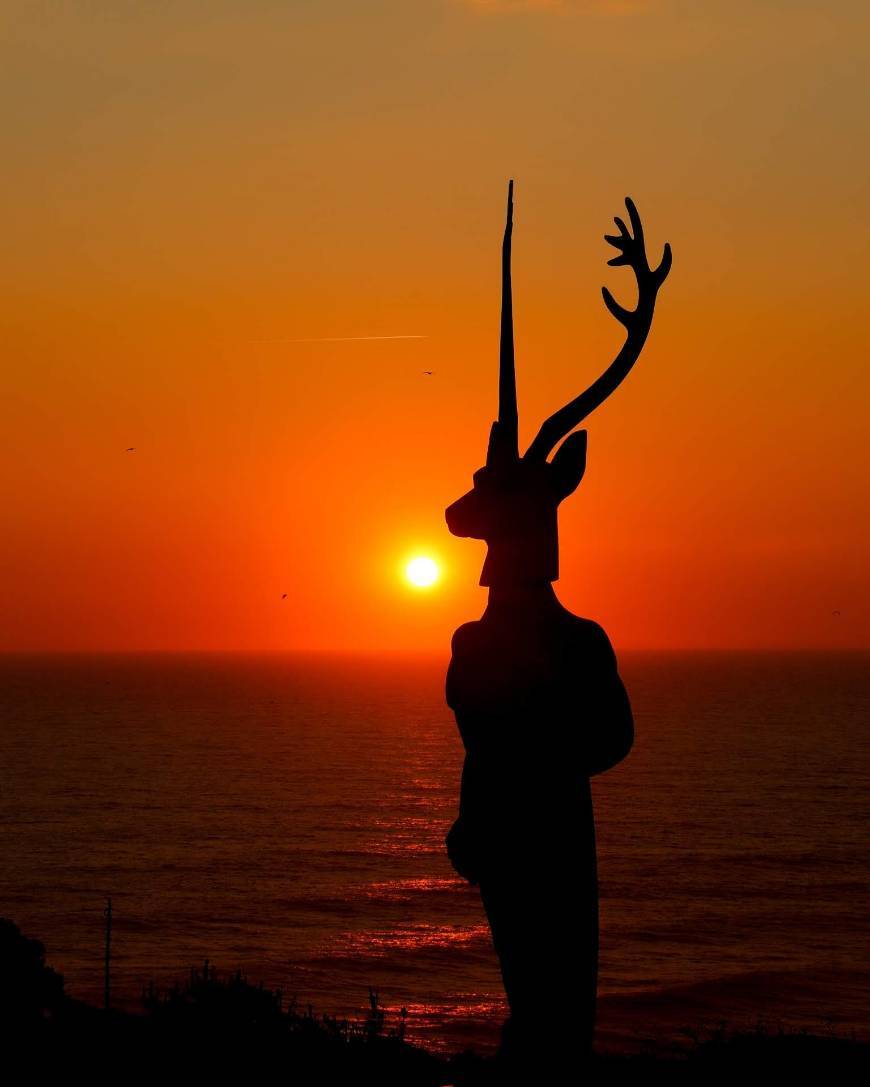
x: 462, y: 842
x: 611, y: 723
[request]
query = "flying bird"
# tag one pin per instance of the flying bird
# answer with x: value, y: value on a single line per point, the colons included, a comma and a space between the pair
x: 283, y: 596
x: 428, y: 373
x: 130, y: 449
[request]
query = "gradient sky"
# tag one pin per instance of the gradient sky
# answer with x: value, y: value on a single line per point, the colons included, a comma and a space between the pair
x: 201, y: 199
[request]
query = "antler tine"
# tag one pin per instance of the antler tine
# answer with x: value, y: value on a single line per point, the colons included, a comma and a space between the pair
x: 660, y: 274
x: 637, y: 323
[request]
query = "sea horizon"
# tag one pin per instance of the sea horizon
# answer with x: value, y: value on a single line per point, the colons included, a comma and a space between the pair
x: 425, y: 652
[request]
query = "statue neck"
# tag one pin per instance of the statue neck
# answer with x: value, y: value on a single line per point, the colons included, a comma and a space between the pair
x: 532, y: 598
x: 525, y: 560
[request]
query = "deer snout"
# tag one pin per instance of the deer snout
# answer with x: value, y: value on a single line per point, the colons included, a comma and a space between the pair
x: 463, y: 516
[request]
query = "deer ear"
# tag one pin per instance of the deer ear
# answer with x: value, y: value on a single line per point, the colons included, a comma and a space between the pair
x: 569, y: 464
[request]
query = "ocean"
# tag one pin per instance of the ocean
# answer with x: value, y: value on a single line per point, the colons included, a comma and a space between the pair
x: 285, y: 815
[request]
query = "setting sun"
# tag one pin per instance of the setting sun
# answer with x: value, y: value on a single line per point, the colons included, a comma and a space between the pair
x: 422, y: 571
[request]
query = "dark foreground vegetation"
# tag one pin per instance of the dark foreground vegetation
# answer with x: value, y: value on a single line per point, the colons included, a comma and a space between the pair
x: 227, y: 1028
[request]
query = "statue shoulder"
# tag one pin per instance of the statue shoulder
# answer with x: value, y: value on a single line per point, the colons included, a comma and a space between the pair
x: 467, y: 637
x: 590, y: 637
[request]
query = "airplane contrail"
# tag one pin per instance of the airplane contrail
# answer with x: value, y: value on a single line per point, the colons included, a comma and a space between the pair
x: 348, y: 339
x: 343, y: 339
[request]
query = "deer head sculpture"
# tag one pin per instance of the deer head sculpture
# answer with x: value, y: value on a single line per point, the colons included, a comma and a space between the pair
x: 513, y: 504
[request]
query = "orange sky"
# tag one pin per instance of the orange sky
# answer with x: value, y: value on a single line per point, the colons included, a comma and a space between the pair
x: 192, y: 189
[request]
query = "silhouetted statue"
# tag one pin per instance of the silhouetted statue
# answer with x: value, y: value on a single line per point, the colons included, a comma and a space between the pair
x: 539, y: 703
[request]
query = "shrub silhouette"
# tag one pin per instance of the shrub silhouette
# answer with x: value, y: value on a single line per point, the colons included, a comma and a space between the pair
x: 30, y: 991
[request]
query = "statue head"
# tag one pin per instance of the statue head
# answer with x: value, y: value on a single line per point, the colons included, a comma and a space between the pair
x: 514, y: 501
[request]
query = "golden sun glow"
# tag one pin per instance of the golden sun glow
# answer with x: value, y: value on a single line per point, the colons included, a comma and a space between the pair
x: 422, y: 571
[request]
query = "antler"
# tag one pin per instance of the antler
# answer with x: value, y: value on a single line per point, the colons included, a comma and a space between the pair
x: 637, y: 324
x: 507, y: 382
x: 503, y: 441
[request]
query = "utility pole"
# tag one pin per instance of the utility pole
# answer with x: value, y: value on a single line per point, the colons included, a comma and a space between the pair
x: 108, y: 959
